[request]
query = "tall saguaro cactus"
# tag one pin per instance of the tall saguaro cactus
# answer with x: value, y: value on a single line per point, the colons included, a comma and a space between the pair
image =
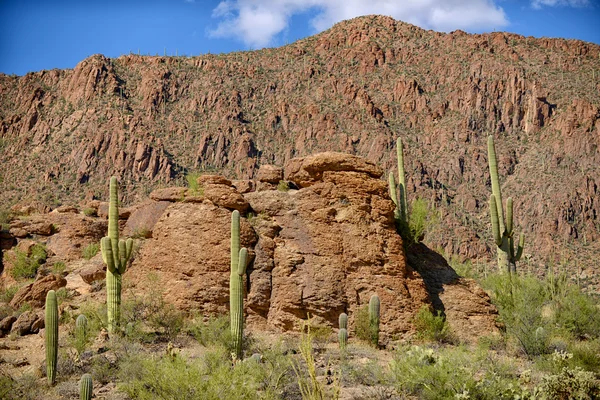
x: 374, y: 305
x: 236, y: 284
x: 502, y: 227
x: 116, y: 254
x: 51, y: 322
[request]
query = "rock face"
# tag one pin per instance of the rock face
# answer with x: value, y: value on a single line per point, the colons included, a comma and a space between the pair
x: 321, y: 250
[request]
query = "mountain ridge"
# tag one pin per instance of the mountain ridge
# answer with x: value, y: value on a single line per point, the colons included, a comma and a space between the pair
x: 353, y: 88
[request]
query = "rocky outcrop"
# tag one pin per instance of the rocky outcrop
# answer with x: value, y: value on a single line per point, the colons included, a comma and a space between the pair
x: 35, y: 293
x: 320, y: 250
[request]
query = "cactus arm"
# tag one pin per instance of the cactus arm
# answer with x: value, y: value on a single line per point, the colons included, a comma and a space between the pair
x: 107, y: 254
x: 129, y: 247
x: 495, y: 224
x: 51, y: 323
x: 243, y: 257
x: 392, y: 187
x: 509, y: 216
x: 517, y: 257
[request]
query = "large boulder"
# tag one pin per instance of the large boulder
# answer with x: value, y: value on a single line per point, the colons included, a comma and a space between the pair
x: 35, y: 293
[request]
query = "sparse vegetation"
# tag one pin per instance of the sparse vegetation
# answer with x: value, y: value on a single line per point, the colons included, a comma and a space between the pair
x: 26, y: 266
x: 90, y: 251
x: 431, y: 326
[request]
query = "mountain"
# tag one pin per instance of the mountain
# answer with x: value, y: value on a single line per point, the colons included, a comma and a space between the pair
x: 354, y: 88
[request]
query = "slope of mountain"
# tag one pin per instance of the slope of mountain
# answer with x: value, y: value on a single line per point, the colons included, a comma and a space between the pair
x: 354, y: 88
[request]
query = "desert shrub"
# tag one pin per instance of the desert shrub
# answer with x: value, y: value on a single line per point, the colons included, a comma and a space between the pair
x: 421, y: 218
x: 571, y: 384
x: 578, y: 313
x: 362, y: 323
x: 90, y: 250
x: 210, y: 377
x: 25, y: 387
x: 520, y: 301
x: 215, y: 331
x: 454, y: 373
x: 430, y: 326
x: 26, y: 266
x: 148, y: 317
x: 365, y: 374
x: 90, y: 212
x: 58, y: 268
x: 192, y: 183
x: 283, y: 186
x: 7, y: 293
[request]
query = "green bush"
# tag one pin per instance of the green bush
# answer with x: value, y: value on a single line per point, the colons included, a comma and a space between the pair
x: 58, y: 268
x: 90, y: 212
x: 283, y: 186
x: 215, y: 331
x: 430, y: 326
x: 7, y: 293
x: 90, y: 251
x: 192, y: 182
x: 421, y: 218
x: 455, y: 373
x: 362, y: 323
x: 571, y: 384
x: 210, y: 377
x: 26, y: 266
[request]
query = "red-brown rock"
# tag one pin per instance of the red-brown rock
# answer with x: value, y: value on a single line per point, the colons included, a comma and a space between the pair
x: 269, y: 174
x: 35, y: 293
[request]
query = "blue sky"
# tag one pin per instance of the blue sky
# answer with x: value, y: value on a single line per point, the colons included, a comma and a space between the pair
x: 36, y: 35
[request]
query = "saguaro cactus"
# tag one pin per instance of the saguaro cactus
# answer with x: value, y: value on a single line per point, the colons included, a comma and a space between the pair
x: 116, y: 254
x: 398, y: 193
x: 502, y: 227
x: 86, y: 387
x: 236, y: 285
x: 343, y: 321
x: 343, y: 338
x: 343, y: 333
x: 51, y: 323
x: 374, y: 306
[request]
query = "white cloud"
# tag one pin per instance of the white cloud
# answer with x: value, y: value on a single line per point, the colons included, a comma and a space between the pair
x: 554, y: 3
x: 257, y: 22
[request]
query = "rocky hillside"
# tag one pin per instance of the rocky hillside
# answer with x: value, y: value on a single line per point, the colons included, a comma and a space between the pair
x: 354, y: 88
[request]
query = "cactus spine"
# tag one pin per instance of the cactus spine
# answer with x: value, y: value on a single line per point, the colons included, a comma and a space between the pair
x: 86, y: 387
x: 116, y: 254
x: 51, y: 322
x: 236, y: 285
x: 502, y: 227
x: 374, y: 306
